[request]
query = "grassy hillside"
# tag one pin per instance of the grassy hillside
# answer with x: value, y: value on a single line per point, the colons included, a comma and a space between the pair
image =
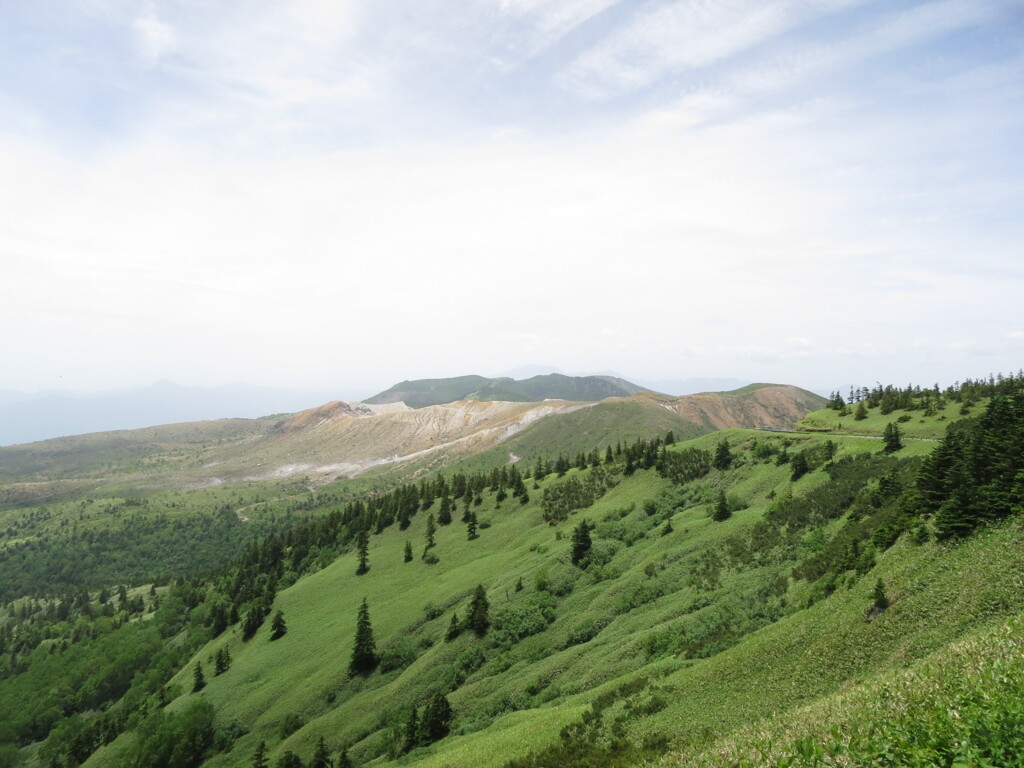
x: 666, y: 603
x: 676, y: 636
x: 598, y: 426
x: 93, y: 456
x: 913, y: 424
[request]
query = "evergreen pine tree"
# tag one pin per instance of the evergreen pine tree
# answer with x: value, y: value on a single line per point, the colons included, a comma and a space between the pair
x: 436, y: 721
x: 344, y: 761
x: 321, y: 756
x: 289, y: 760
x: 861, y: 413
x: 892, y: 437
x: 221, y: 661
x: 723, y: 455
x: 259, y: 757
x: 363, y: 545
x: 431, y: 530
x: 454, y: 629
x: 477, y: 618
x: 364, y: 650
x: 412, y: 728
x: 408, y: 552
x: 471, y: 526
x: 198, y: 681
x: 799, y: 466
x: 444, y: 516
x: 581, y: 543
x: 277, y: 627
x: 253, y: 621
x: 722, y: 511
x: 881, y: 600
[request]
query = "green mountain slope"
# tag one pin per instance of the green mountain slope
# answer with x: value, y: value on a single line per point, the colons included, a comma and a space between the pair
x: 668, y: 603
x: 553, y: 386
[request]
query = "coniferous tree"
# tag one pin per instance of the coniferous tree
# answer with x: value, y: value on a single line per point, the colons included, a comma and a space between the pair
x: 431, y: 530
x: 253, y: 621
x: 412, y: 729
x: 881, y: 599
x: 471, y: 526
x: 861, y: 413
x: 321, y: 756
x: 477, y: 616
x: 444, y: 516
x: 437, y: 719
x: 198, y: 681
x: 581, y: 542
x: 799, y: 466
x: 722, y: 511
x: 363, y: 545
x: 723, y: 455
x: 344, y: 761
x: 408, y: 552
x: 221, y: 661
x: 364, y: 650
x: 892, y: 437
x: 454, y: 629
x: 289, y: 760
x: 259, y: 757
x: 277, y: 627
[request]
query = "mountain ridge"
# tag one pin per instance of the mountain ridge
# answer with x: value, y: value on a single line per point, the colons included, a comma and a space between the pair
x: 419, y: 393
x: 342, y: 439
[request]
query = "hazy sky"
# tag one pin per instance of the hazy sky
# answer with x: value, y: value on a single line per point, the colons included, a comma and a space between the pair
x: 342, y: 194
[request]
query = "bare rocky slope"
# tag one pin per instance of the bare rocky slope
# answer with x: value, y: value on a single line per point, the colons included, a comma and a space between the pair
x: 342, y: 439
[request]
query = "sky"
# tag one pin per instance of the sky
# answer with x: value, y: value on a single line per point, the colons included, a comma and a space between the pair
x: 341, y: 195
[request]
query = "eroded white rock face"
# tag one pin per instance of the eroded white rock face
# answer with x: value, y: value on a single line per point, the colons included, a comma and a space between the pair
x: 343, y: 439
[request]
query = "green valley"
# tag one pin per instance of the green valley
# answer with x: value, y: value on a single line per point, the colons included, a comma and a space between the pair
x: 640, y: 581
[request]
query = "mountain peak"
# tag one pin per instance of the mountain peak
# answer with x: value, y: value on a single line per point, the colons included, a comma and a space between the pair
x: 550, y: 386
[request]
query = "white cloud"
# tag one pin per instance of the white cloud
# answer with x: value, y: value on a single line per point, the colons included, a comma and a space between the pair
x: 683, y: 35
x: 155, y: 37
x: 548, y: 20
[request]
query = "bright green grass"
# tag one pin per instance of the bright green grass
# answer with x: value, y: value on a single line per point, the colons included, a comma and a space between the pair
x: 918, y: 425
x: 964, y: 703
x: 521, y: 698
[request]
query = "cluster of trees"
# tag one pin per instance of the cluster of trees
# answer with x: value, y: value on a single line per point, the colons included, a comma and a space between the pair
x: 559, y: 499
x: 685, y: 465
x: 976, y: 474
x: 930, y: 399
x: 321, y: 758
x: 142, y: 548
x: 477, y: 618
x: 428, y: 725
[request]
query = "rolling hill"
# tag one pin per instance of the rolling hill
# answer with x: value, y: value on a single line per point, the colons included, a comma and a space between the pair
x: 552, y: 386
x: 741, y: 597
x: 345, y: 440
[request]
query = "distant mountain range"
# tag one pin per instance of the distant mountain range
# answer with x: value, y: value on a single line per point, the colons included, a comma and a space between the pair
x: 346, y: 439
x: 29, y: 417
